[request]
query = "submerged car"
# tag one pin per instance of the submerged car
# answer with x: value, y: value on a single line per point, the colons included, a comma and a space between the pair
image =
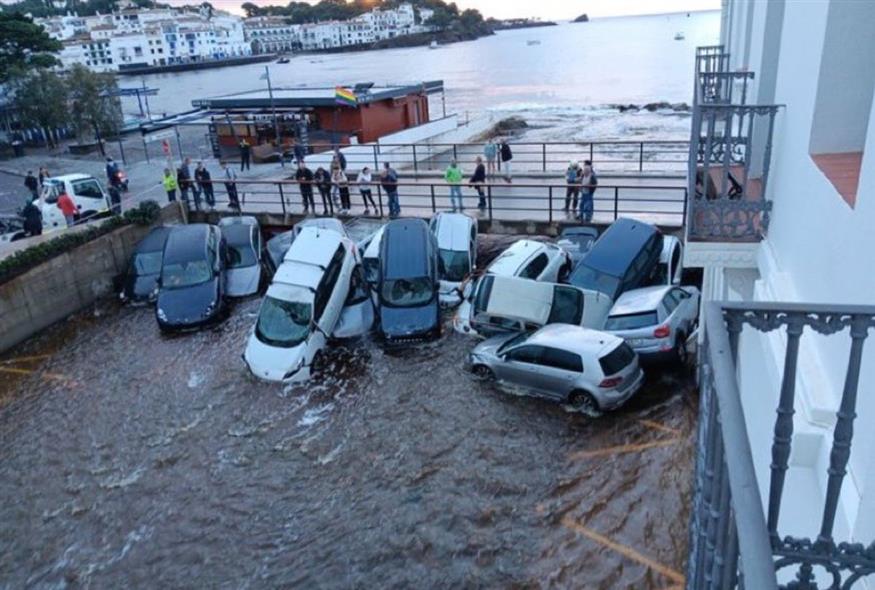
x: 577, y: 241
x: 191, y: 289
x: 329, y: 223
x: 301, y: 307
x: 586, y: 369
x: 530, y: 259
x: 656, y: 321
x: 456, y: 236
x: 371, y: 256
x: 408, y: 283
x: 357, y: 317
x: 243, y: 237
x: 140, y: 282
x: 277, y: 247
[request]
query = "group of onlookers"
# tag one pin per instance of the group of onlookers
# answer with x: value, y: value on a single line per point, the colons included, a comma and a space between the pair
x: 200, y: 183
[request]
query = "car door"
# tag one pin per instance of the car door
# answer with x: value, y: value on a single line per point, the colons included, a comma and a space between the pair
x: 472, y: 248
x: 521, y: 368
x: 677, y: 266
x: 687, y: 309
x: 88, y: 195
x: 559, y: 370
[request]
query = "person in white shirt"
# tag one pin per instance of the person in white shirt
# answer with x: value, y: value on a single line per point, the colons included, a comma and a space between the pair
x: 365, y: 181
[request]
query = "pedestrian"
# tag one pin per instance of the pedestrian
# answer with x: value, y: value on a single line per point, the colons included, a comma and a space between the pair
x: 389, y: 180
x: 506, y: 157
x: 453, y: 176
x: 588, y: 182
x: 340, y: 158
x: 335, y: 188
x: 115, y: 199
x: 111, y: 171
x: 323, y: 183
x: 365, y: 181
x: 43, y: 175
x: 245, y: 154
x: 490, y: 151
x: 33, y: 218
x: 67, y: 207
x: 339, y: 179
x: 300, y: 153
x: 478, y: 179
x: 304, y: 176
x: 205, y: 185
x: 32, y: 184
x: 183, y: 178
x: 573, y: 177
x: 170, y: 185
x: 230, y: 177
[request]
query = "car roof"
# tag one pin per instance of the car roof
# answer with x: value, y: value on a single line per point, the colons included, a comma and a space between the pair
x: 582, y: 341
x: 322, y: 223
x: 314, y: 246
x: 405, y: 248
x: 300, y: 274
x: 154, y: 240
x: 238, y: 220
x: 288, y: 292
x: 615, y: 250
x: 511, y: 260
x: 453, y: 231
x: 186, y: 241
x: 238, y: 234
x: 520, y: 298
x: 639, y: 300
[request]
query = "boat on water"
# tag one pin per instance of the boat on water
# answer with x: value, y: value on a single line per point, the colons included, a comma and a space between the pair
x: 533, y: 42
x: 679, y: 37
x: 283, y: 60
x: 433, y: 44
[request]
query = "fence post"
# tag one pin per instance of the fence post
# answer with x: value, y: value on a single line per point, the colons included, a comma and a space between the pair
x: 415, y: 165
x: 376, y: 159
x: 550, y: 203
x: 641, y: 157
x: 489, y: 197
x: 591, y: 153
x: 282, y: 197
x: 543, y: 157
x: 433, y: 207
x: 380, y: 200
x: 616, y: 202
x: 684, y: 217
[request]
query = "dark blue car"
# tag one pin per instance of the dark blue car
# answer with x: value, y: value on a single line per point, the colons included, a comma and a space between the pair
x: 140, y: 282
x: 191, y: 290
x: 624, y: 257
x: 408, y: 282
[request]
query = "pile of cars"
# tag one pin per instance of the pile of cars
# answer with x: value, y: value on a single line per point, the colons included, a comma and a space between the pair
x: 569, y: 321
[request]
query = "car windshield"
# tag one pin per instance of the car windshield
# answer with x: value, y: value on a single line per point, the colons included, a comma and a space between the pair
x: 567, y: 306
x: 407, y: 292
x: 453, y: 264
x: 632, y: 321
x: 241, y: 256
x: 185, y: 274
x: 518, y: 339
x: 283, y: 323
x: 589, y: 278
x: 148, y: 263
x: 617, y: 360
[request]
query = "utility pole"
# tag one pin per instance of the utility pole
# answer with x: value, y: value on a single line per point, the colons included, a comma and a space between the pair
x: 276, y: 127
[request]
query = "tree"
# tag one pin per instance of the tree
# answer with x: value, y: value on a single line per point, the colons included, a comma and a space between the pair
x: 251, y: 9
x: 93, y: 108
x: 24, y: 45
x: 40, y: 97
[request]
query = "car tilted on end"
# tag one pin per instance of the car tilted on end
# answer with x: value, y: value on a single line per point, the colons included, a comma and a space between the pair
x: 245, y: 252
x: 586, y: 369
x: 191, y: 289
x: 140, y: 282
x: 456, y: 236
x: 301, y: 307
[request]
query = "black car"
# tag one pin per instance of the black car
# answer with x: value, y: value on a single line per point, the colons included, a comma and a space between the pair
x: 191, y: 290
x: 408, y: 283
x: 624, y: 257
x: 140, y: 282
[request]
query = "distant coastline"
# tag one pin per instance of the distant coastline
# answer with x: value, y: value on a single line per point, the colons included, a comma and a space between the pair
x: 196, y: 65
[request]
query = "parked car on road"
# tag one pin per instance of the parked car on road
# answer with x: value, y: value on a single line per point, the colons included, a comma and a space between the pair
x: 408, y: 282
x: 656, y: 321
x: 301, y: 307
x: 140, y: 282
x: 586, y: 369
x: 245, y: 254
x: 456, y: 236
x: 623, y: 258
x: 577, y: 241
x: 87, y: 193
x: 191, y: 289
x: 357, y: 317
x: 497, y: 305
x: 530, y: 259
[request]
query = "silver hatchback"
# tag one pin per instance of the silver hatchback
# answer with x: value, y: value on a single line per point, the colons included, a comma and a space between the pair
x: 587, y: 369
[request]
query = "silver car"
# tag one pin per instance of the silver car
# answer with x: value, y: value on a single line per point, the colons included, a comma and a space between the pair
x: 586, y: 369
x: 357, y: 317
x: 245, y: 253
x: 656, y: 321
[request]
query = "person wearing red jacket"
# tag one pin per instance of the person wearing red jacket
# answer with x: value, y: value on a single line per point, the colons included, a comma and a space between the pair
x: 67, y: 207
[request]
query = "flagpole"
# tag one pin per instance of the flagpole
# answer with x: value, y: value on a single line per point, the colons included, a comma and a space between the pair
x: 276, y: 127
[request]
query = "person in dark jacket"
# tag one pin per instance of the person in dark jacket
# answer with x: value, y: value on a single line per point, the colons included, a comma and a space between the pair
x: 589, y: 181
x: 230, y: 185
x: 506, y: 156
x: 323, y: 182
x: 111, y: 171
x: 32, y: 184
x: 205, y: 184
x: 245, y: 154
x: 340, y: 158
x: 304, y: 176
x: 300, y: 152
x: 183, y: 178
x: 477, y: 180
x: 33, y: 219
x: 115, y: 198
x: 389, y: 181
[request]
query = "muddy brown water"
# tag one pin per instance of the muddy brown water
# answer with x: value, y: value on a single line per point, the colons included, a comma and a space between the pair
x: 128, y: 458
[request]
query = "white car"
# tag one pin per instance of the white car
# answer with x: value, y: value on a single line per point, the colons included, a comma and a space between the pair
x: 302, y: 306
x: 86, y: 192
x: 497, y: 305
x: 456, y: 236
x: 330, y: 223
x: 357, y: 317
x: 245, y: 255
x: 671, y: 262
x: 371, y: 256
x: 530, y: 259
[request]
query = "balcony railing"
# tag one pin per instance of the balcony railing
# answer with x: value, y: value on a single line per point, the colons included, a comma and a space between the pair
x: 723, y: 87
x: 733, y: 542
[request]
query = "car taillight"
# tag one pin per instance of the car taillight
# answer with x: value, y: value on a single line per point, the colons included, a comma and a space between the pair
x: 662, y: 332
x: 611, y: 382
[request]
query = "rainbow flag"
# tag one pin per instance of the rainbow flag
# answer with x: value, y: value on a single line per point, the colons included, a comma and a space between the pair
x: 345, y: 96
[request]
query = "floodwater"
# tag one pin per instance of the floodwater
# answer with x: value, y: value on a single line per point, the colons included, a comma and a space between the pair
x: 128, y: 458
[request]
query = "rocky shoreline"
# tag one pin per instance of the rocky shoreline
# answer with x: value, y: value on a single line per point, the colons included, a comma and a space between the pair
x: 678, y: 107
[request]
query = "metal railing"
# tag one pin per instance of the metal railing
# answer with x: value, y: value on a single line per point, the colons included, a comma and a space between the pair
x: 659, y: 204
x: 720, y: 87
x: 733, y: 543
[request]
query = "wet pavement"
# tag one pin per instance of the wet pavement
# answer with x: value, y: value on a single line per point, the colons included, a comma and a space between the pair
x: 128, y: 458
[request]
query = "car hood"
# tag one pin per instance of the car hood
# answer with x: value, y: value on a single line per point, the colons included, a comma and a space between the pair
x: 272, y: 363
x: 139, y: 288
x: 188, y: 305
x: 240, y: 282
x: 490, y: 346
x: 355, y: 320
x: 400, y: 322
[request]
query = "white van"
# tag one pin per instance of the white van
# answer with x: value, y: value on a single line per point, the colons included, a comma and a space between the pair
x: 457, y: 253
x: 86, y: 191
x: 302, y: 306
x: 497, y: 305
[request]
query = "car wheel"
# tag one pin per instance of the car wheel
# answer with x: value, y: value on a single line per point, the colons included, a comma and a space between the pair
x: 680, y: 349
x: 483, y: 373
x: 584, y: 402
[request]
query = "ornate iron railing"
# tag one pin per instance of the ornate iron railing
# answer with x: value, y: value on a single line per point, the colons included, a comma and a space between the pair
x: 720, y: 87
x: 733, y: 543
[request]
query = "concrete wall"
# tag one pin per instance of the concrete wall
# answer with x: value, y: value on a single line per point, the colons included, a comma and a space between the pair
x: 68, y: 283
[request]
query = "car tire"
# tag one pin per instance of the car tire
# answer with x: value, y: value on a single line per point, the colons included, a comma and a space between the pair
x: 680, y: 350
x: 483, y: 373
x: 583, y: 401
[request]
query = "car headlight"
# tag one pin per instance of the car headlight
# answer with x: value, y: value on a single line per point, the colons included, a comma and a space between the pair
x: 161, y: 315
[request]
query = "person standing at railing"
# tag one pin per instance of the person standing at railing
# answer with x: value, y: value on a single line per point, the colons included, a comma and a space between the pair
x: 230, y: 177
x: 205, y: 185
x: 245, y: 154
x: 490, y: 152
x: 300, y: 152
x: 323, y: 183
x: 32, y: 184
x: 115, y: 199
x: 506, y: 157
x: 573, y: 176
x: 170, y: 185
x: 588, y: 183
x: 389, y: 180
x: 365, y: 181
x: 477, y: 181
x: 339, y: 179
x: 183, y: 178
x: 67, y: 207
x: 453, y: 176
x: 335, y: 188
x: 304, y: 176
